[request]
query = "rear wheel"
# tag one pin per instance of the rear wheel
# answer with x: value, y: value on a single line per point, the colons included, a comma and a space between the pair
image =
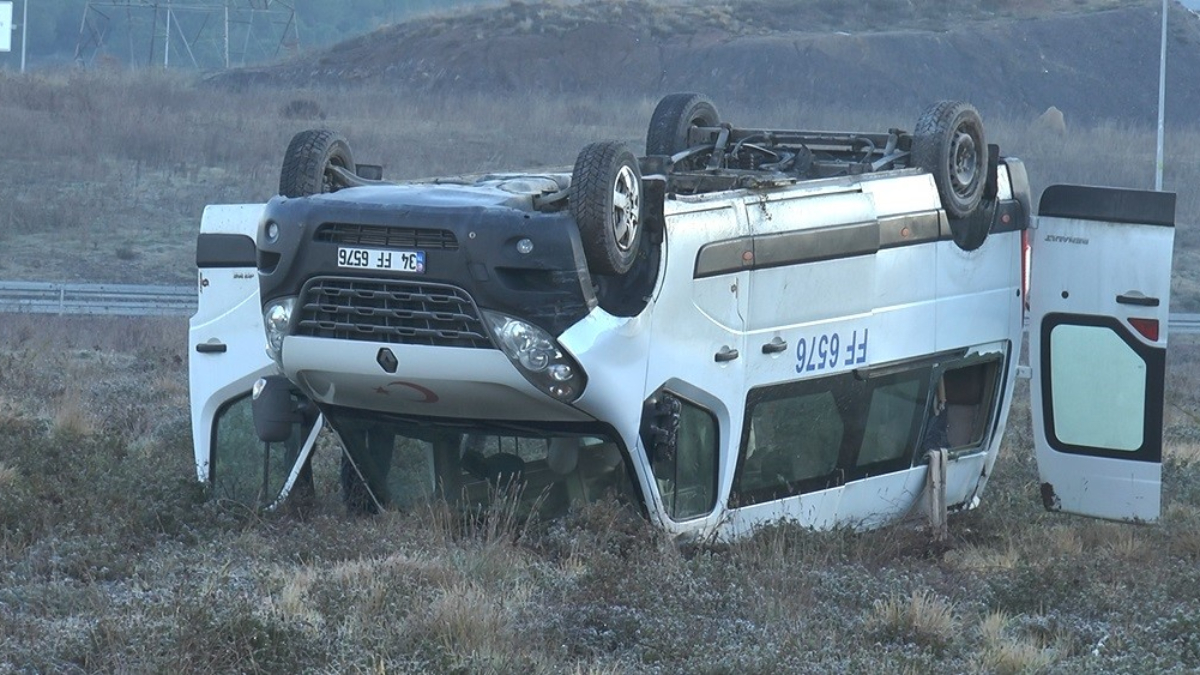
x: 309, y: 160
x: 949, y: 144
x: 606, y: 202
x: 673, y: 119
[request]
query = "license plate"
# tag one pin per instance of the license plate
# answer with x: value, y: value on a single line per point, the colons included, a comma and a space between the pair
x: 375, y: 259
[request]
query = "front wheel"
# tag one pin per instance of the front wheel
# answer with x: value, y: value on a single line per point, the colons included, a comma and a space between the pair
x: 949, y: 144
x: 606, y: 202
x: 309, y: 161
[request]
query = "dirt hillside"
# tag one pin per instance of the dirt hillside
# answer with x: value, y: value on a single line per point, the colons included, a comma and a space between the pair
x: 1096, y: 63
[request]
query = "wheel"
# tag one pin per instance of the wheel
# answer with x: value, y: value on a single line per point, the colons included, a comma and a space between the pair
x: 606, y: 201
x: 970, y: 232
x: 307, y: 163
x: 948, y: 143
x: 674, y: 116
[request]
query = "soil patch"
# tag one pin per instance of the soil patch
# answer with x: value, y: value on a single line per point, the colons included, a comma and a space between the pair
x: 1099, y: 63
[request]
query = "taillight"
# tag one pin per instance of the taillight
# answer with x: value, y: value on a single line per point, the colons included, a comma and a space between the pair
x: 1147, y: 327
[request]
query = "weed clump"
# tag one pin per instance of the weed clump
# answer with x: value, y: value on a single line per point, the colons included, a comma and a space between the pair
x: 302, y: 109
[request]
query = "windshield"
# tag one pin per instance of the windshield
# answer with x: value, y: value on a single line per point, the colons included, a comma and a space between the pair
x: 548, y: 467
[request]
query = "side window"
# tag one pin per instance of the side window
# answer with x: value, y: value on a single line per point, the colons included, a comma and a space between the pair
x: 962, y: 406
x: 894, y: 416
x: 682, y: 440
x: 792, y: 445
x: 810, y: 435
x: 1099, y: 393
x: 245, y: 469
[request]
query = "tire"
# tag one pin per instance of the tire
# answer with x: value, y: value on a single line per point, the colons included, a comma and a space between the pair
x: 674, y: 116
x: 606, y: 202
x: 949, y: 144
x: 308, y: 159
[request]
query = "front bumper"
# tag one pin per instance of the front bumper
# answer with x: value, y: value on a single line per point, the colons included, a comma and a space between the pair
x: 429, y: 381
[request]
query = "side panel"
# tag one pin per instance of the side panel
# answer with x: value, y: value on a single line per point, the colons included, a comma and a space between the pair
x: 874, y: 277
x: 698, y: 335
x: 813, y: 258
x: 811, y: 311
x: 226, y: 351
x: 1100, y: 281
x: 226, y: 355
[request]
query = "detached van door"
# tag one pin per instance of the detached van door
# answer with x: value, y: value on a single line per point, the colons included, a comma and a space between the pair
x: 227, y: 354
x: 1100, y: 280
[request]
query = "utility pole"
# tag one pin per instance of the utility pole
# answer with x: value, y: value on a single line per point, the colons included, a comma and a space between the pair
x: 24, y: 31
x: 166, y: 43
x: 1162, y: 96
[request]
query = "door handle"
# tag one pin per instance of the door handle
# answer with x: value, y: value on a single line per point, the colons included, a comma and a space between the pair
x: 726, y: 354
x: 775, y: 346
x: 1138, y: 299
x: 212, y: 348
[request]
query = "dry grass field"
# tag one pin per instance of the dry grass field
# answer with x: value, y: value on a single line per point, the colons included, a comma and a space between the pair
x: 113, y: 560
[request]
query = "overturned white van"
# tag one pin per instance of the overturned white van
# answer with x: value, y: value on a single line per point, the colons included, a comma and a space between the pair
x: 739, y: 326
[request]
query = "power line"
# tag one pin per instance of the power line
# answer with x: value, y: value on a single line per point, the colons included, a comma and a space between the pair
x: 199, y: 30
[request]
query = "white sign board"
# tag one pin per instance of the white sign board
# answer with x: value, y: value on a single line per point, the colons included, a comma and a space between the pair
x: 6, y: 26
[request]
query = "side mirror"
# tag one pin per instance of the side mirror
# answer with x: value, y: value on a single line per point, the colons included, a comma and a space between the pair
x: 660, y: 430
x: 274, y: 408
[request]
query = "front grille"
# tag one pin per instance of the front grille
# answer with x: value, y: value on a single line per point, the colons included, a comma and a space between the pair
x: 386, y: 237
x: 399, y: 312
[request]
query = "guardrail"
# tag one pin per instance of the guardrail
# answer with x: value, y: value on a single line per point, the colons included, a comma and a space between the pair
x: 1184, y: 323
x: 32, y: 297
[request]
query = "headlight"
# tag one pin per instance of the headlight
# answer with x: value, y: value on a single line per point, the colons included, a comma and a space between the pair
x: 538, y: 356
x: 277, y: 320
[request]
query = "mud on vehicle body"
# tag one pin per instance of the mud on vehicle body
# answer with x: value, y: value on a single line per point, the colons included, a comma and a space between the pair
x: 737, y: 326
